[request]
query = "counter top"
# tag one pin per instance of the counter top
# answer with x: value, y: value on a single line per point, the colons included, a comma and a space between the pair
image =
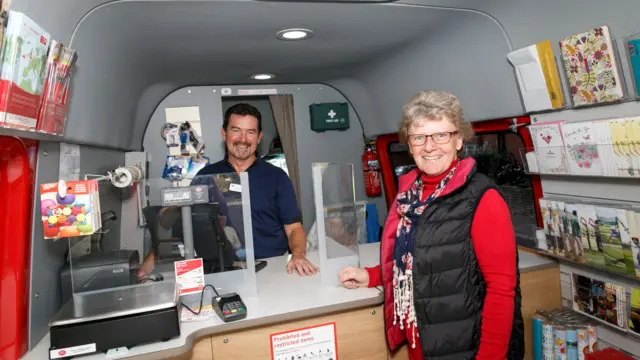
x: 532, y: 262
x: 281, y: 297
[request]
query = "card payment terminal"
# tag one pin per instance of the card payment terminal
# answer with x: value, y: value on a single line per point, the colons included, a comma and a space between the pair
x: 229, y: 307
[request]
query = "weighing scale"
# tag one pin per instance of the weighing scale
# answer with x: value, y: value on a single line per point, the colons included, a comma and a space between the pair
x: 112, y: 319
x: 104, y: 320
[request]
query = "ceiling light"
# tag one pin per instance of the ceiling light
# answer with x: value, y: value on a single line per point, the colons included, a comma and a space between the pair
x: 294, y: 34
x: 262, y: 76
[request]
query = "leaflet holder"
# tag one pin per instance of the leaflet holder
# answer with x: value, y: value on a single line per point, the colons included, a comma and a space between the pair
x: 336, y: 219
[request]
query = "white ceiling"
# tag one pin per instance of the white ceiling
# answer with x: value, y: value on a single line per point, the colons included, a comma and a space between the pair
x: 227, y: 41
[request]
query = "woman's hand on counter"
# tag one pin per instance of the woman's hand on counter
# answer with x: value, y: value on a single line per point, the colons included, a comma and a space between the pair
x: 353, y: 277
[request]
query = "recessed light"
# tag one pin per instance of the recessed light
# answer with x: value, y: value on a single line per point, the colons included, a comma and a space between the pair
x: 294, y: 34
x: 262, y: 76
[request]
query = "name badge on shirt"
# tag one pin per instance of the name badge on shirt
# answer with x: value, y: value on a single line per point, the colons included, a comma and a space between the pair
x: 235, y: 187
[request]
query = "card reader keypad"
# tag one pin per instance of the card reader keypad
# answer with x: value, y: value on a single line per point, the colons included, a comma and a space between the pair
x: 232, y: 308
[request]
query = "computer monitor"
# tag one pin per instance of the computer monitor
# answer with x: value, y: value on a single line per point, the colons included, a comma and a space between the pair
x: 210, y: 241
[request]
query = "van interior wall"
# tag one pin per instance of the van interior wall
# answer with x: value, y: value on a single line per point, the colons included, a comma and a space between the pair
x: 384, y: 49
x: 331, y: 146
x: 457, y: 46
x: 48, y: 256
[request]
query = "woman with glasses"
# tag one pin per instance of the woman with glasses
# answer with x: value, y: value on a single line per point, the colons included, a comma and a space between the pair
x: 449, y: 265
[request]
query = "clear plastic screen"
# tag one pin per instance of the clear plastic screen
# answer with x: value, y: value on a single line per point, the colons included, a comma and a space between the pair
x: 337, y: 222
x: 217, y: 230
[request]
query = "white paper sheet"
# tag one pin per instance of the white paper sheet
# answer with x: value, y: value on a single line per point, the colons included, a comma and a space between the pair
x: 69, y: 162
x: 530, y: 78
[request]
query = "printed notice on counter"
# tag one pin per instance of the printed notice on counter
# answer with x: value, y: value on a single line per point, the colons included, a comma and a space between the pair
x: 69, y: 169
x: 313, y: 342
x: 205, y: 314
x: 190, y: 276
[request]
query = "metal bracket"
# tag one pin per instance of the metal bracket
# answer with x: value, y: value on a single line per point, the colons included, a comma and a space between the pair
x: 514, y: 127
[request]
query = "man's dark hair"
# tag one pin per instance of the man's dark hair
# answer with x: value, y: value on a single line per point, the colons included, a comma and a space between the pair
x: 242, y: 109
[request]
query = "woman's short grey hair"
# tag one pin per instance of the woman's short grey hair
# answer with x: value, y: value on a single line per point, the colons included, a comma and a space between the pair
x: 433, y: 105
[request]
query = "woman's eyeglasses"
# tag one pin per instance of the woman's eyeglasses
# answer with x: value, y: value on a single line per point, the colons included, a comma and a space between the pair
x: 440, y: 138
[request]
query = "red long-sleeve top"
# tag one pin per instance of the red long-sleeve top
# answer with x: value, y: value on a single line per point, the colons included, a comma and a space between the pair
x: 493, y: 241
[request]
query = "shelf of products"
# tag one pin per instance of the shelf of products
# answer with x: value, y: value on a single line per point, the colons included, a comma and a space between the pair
x: 591, y: 161
x: 602, y: 236
x: 36, y: 71
x: 549, y: 83
x: 583, y: 264
x: 569, y: 332
x: 602, y: 148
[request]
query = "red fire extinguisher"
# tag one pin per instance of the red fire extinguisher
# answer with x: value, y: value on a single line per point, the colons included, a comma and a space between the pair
x: 371, y: 170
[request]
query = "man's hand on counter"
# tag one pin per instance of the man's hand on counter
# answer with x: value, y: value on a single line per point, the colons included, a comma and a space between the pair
x: 303, y: 266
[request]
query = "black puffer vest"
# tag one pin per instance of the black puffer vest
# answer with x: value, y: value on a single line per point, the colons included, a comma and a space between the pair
x: 449, y: 288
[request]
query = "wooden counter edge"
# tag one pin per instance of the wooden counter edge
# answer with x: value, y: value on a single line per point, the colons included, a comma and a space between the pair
x: 192, y: 339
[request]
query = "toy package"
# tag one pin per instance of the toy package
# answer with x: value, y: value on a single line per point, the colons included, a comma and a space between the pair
x: 175, y: 168
x: 70, y: 208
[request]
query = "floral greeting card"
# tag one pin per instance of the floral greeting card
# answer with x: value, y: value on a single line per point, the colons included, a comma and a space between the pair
x: 591, y: 69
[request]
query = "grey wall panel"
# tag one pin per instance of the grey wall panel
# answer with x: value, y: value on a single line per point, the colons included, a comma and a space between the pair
x: 466, y: 56
x: 333, y: 146
x: 114, y: 72
x: 528, y: 22
x: 462, y: 52
x: 47, y: 257
x: 49, y: 13
x: 98, y: 161
x: 147, y: 104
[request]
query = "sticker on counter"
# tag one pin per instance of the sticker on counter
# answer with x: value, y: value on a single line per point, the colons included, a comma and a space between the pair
x: 190, y: 276
x: 235, y: 187
x: 313, y: 342
x: 72, y: 351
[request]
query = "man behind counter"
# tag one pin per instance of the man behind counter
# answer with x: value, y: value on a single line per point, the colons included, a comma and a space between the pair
x: 275, y: 214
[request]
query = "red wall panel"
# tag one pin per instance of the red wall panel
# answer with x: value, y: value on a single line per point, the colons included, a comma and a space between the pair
x: 490, y: 126
x: 16, y: 187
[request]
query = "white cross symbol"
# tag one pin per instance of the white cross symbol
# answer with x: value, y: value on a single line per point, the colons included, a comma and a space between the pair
x: 331, y: 113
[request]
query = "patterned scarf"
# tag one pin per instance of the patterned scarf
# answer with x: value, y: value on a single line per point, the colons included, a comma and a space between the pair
x: 410, y: 207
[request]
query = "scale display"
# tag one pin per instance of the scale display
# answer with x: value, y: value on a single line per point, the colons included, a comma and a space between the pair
x: 183, y: 196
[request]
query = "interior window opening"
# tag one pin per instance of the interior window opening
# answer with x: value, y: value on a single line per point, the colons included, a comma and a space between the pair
x: 497, y: 155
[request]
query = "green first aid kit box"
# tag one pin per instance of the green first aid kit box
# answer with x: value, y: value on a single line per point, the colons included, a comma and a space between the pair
x: 329, y: 116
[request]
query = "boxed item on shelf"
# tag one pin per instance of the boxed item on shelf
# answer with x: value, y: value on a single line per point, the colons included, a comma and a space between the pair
x: 70, y: 208
x: 53, y: 106
x: 562, y: 332
x: 24, y: 52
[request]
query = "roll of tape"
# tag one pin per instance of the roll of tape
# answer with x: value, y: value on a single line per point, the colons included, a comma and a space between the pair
x: 126, y: 176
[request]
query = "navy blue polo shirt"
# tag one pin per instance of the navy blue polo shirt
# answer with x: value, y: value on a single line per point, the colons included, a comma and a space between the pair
x: 273, y: 204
